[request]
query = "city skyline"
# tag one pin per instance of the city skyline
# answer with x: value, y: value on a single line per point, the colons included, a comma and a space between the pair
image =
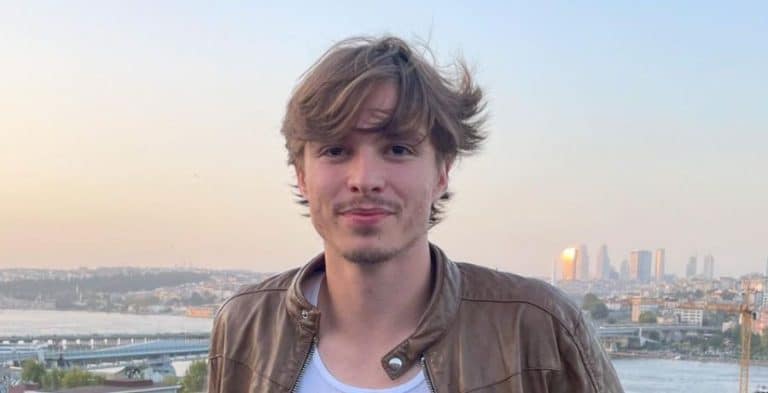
x: 145, y: 134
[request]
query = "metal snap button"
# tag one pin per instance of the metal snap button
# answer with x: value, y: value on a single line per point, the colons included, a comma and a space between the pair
x: 395, y: 363
x: 304, y: 314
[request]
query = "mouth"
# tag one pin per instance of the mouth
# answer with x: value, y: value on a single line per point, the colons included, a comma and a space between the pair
x: 365, y: 216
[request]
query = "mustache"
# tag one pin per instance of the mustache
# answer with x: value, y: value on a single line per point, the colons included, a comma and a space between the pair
x: 367, y: 203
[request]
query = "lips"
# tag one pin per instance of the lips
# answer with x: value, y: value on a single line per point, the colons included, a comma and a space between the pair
x: 366, y: 212
x: 365, y: 216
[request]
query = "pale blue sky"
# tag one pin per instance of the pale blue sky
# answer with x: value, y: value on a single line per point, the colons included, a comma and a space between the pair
x: 147, y: 132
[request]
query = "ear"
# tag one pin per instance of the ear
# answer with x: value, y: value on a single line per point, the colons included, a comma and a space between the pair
x: 443, y: 175
x: 300, y: 180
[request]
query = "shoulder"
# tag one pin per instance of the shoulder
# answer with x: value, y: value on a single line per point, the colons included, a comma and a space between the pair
x: 557, y: 336
x: 481, y: 284
x: 248, y: 298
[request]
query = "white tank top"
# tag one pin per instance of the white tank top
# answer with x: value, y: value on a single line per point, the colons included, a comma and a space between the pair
x: 317, y: 378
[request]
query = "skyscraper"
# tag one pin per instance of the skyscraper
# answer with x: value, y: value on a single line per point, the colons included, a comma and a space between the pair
x: 690, y: 268
x: 658, y: 265
x: 568, y: 257
x: 624, y: 272
x: 640, y: 265
x: 582, y: 263
x: 709, y: 267
x: 603, y: 265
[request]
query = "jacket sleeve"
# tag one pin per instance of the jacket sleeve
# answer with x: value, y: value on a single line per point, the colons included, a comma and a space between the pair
x: 215, y: 358
x: 585, y: 366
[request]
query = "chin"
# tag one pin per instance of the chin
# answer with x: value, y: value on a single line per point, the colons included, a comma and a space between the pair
x: 369, y: 251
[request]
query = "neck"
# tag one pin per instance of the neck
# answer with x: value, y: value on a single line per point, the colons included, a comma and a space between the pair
x: 385, y: 298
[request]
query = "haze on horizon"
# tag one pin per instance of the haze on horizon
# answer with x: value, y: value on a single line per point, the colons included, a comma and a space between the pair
x: 147, y: 133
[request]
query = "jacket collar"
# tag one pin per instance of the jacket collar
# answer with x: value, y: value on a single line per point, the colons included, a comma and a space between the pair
x: 440, y: 313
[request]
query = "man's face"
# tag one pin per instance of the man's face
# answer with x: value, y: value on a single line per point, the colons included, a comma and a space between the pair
x: 370, y: 193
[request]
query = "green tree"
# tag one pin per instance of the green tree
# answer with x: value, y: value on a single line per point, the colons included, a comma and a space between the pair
x: 52, y: 379
x: 32, y: 371
x: 76, y: 377
x: 647, y: 317
x: 171, y: 380
x: 597, y: 309
x: 194, y: 379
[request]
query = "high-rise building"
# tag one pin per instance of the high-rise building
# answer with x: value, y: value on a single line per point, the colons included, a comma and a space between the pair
x: 658, y: 265
x: 690, y: 268
x: 603, y: 264
x: 624, y: 272
x: 709, y: 267
x: 569, y: 257
x: 640, y: 265
x: 553, y: 279
x: 582, y: 263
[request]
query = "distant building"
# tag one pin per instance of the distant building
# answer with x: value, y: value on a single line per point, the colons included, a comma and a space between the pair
x: 690, y: 268
x: 709, y: 267
x: 624, y: 272
x: 603, y: 265
x: 582, y: 263
x: 658, y: 265
x: 640, y: 266
x: 641, y: 305
x: 690, y: 316
x: 568, y: 258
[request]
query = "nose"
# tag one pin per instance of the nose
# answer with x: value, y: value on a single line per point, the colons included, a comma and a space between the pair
x: 366, y: 173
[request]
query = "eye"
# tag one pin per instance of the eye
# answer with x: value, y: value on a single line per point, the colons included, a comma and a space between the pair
x: 400, y: 150
x: 333, y: 151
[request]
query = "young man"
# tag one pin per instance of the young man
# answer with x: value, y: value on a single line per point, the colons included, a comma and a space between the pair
x: 372, y: 131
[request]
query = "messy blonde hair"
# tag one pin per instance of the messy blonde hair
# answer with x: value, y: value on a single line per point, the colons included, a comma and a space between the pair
x: 448, y: 109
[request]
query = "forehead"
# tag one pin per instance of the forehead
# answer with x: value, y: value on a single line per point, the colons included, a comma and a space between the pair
x: 378, y: 107
x: 376, y: 118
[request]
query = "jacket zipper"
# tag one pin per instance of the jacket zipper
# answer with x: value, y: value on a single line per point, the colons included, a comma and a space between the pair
x: 427, y: 375
x: 304, y: 365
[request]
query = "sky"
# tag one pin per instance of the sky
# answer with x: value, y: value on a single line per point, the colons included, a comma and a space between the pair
x: 147, y: 133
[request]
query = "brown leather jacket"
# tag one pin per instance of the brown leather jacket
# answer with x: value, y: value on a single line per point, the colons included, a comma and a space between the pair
x: 483, y: 331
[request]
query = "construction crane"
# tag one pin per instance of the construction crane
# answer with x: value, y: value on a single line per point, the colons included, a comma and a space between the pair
x: 746, y: 314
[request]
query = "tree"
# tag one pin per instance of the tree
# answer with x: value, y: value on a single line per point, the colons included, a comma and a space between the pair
x: 597, y: 309
x: 171, y: 380
x: 194, y: 379
x: 52, y: 379
x: 196, y: 299
x: 647, y: 317
x: 76, y: 377
x: 32, y: 371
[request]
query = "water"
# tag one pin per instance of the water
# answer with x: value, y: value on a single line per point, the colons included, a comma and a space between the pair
x: 637, y: 376
x: 668, y: 376
x: 41, y: 322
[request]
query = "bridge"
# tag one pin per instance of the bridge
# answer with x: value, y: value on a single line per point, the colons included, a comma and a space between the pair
x: 638, y: 329
x: 610, y: 335
x: 118, y: 339
x: 164, y: 348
